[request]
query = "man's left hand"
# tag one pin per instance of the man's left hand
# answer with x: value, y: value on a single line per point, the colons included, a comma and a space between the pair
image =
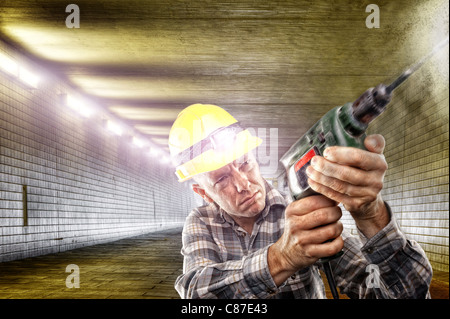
x: 354, y: 177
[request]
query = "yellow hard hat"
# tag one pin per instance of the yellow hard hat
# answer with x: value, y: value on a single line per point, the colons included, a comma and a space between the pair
x: 204, y: 138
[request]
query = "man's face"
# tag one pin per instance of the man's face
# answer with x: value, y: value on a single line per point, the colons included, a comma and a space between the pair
x: 238, y: 188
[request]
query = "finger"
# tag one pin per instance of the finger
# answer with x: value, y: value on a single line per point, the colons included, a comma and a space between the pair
x: 375, y: 143
x: 321, y: 167
x: 320, y: 217
x: 326, y: 233
x: 326, y: 249
x: 328, y: 192
x: 351, y: 203
x: 308, y: 204
x: 347, y: 180
x: 354, y: 157
x: 320, y: 235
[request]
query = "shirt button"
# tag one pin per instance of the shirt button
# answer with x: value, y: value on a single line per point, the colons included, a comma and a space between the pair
x: 370, y: 250
x: 293, y: 276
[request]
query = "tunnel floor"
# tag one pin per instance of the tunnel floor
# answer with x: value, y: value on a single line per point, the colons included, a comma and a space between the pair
x: 144, y: 266
x: 141, y: 267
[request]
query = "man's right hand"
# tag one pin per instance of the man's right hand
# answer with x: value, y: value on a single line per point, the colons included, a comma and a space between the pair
x: 309, y: 224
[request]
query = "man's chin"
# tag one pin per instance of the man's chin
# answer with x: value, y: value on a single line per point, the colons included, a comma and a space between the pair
x: 255, y: 209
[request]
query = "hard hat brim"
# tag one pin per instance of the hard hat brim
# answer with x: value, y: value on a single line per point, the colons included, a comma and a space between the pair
x: 213, y: 159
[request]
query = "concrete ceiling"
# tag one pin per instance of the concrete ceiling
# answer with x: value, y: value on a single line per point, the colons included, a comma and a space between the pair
x: 272, y: 64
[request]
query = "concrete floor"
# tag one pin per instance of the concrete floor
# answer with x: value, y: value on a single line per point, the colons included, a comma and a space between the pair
x: 140, y: 267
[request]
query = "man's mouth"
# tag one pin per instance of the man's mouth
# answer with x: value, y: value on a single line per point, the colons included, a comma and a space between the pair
x: 249, y: 199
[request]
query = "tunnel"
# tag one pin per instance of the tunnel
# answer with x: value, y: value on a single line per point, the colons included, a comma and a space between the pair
x: 90, y: 205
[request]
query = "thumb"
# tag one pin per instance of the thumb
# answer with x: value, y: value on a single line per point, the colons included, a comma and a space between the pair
x: 375, y: 143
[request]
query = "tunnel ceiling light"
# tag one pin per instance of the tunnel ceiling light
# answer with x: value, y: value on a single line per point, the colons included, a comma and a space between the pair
x: 154, y: 152
x: 114, y: 127
x: 8, y: 65
x: 28, y: 77
x: 167, y: 160
x: 138, y: 142
x: 11, y: 67
x: 79, y: 105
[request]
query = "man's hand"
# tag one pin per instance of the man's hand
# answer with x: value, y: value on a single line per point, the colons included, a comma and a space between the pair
x: 309, y: 223
x: 354, y: 178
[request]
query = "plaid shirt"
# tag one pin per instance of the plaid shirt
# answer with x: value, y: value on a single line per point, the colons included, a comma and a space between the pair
x: 222, y: 261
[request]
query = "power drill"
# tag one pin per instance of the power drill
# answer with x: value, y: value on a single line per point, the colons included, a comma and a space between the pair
x: 344, y: 126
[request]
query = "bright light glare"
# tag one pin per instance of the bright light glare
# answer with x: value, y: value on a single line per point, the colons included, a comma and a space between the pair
x: 224, y: 140
x: 114, y: 127
x: 165, y: 159
x: 8, y: 65
x: 11, y: 67
x: 72, y: 102
x: 79, y: 105
x: 138, y: 142
x: 28, y: 77
x: 154, y: 152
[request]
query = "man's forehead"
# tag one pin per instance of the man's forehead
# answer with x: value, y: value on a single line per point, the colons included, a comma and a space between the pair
x: 225, y: 168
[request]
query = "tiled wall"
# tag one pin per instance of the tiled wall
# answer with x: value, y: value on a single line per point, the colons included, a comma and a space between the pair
x: 84, y: 185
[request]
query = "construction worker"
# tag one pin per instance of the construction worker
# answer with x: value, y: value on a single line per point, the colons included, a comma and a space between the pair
x: 247, y: 242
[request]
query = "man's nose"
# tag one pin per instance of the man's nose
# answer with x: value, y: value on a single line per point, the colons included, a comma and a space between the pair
x: 241, y: 181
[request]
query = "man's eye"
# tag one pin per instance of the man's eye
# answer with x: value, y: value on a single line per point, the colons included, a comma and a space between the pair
x: 245, y: 164
x: 221, y: 179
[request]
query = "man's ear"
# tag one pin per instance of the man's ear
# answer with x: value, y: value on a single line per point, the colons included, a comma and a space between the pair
x: 199, y: 190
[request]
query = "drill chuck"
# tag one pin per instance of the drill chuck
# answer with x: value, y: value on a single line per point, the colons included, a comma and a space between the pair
x: 371, y: 104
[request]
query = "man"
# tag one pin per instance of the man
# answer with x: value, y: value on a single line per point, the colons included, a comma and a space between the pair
x: 248, y: 243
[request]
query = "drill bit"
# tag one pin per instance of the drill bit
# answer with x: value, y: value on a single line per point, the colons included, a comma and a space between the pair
x: 374, y: 101
x: 415, y: 66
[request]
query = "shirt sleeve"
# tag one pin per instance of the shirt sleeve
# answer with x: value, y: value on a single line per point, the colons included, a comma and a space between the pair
x: 205, y: 275
x: 388, y: 265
